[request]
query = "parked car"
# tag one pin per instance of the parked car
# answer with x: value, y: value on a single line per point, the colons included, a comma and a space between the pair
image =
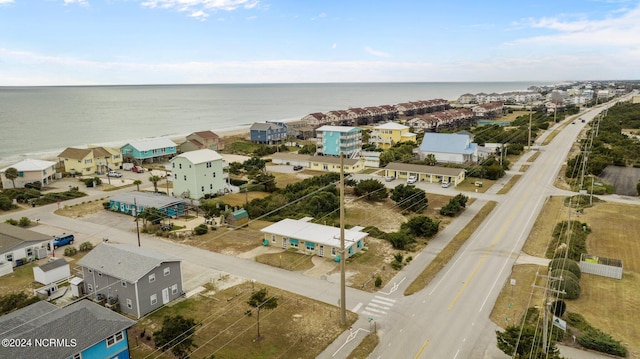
x: 297, y: 168
x: 412, y: 179
x: 114, y: 174
x: 137, y: 169
x: 63, y: 240
x: 389, y: 178
x: 446, y: 184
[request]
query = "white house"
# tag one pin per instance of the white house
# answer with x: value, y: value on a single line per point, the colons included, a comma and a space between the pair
x: 30, y: 171
x: 19, y: 246
x: 197, y: 173
x: 313, y: 238
x: 51, y: 271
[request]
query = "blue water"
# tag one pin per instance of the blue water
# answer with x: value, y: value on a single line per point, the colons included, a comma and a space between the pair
x: 40, y: 122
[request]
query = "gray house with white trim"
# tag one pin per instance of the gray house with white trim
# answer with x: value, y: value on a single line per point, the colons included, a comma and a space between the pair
x: 139, y: 279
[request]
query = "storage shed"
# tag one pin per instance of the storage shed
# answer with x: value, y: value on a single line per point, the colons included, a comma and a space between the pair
x: 238, y: 218
x: 52, y: 271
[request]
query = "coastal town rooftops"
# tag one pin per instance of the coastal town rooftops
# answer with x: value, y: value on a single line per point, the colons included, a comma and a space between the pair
x: 199, y: 156
x: 147, y: 145
x: 145, y: 199
x: 123, y: 261
x: 442, y: 171
x: 337, y: 128
x: 304, y: 230
x: 86, y: 322
x: 30, y: 164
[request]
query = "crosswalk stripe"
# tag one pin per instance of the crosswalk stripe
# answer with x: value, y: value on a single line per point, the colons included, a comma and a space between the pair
x: 378, y: 306
x: 376, y: 310
x: 384, y: 298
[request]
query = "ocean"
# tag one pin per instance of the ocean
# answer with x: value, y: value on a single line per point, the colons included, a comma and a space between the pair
x: 39, y: 122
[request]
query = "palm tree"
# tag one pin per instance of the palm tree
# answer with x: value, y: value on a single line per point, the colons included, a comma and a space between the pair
x: 137, y: 183
x: 155, y: 179
x: 11, y: 174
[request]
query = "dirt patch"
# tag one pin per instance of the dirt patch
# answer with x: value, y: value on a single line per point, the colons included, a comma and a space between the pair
x: 240, y: 199
x: 80, y: 210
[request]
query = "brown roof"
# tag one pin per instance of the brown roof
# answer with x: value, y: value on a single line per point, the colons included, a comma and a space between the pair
x: 206, y: 134
x: 447, y: 171
x: 75, y: 153
x: 101, y: 152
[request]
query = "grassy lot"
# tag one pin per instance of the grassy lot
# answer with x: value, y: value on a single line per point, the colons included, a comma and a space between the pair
x: 512, y: 182
x: 514, y: 299
x: 468, y: 185
x: 231, y: 241
x: 82, y: 209
x: 524, y: 168
x: 239, y: 199
x: 533, y: 157
x: 365, y: 266
x: 608, y: 304
x: 441, y: 260
x: 298, y: 328
x: 368, y: 344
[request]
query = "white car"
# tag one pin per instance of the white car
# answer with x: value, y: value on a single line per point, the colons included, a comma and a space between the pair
x: 445, y: 184
x: 389, y: 178
x: 114, y: 174
x: 412, y: 179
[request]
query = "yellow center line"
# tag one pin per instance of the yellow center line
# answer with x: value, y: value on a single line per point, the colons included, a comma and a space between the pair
x: 422, y: 348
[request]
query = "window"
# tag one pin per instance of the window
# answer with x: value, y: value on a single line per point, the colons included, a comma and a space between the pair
x: 211, y: 185
x: 88, y: 161
x: 99, y: 274
x: 185, y: 177
x: 175, y: 176
x: 123, y: 283
x: 152, y: 277
x: 273, y: 238
x: 89, y: 288
x: 90, y: 270
x: 9, y: 257
x: 154, y: 299
x: 214, y: 175
x: 129, y: 303
x: 29, y: 251
x: 174, y: 289
x: 173, y: 165
x: 116, y: 338
x: 180, y: 165
x: 202, y: 188
x: 167, y: 271
x: 208, y: 164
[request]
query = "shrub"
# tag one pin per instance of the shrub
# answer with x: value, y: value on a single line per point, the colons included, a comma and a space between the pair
x: 564, y: 274
x: 378, y: 282
x: 85, y: 246
x: 570, y: 286
x: 201, y: 229
x: 24, y: 222
x: 602, y: 342
x: 11, y: 221
x: 396, y: 265
x: 70, y: 251
x: 566, y: 264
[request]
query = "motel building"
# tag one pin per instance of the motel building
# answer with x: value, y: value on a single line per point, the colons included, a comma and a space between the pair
x: 313, y: 238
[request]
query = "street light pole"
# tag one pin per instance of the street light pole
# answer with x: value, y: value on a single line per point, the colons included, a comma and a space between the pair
x: 343, y: 291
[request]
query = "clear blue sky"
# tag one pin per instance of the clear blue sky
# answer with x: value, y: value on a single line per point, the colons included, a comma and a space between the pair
x: 69, y: 42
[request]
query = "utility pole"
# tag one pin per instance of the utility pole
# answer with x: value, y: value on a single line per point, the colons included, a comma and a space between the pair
x: 135, y: 205
x: 546, y: 305
x: 343, y: 290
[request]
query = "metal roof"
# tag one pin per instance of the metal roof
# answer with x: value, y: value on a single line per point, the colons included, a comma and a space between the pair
x: 152, y: 144
x: 30, y: 164
x: 391, y: 126
x: 146, y: 199
x: 447, y: 143
x: 200, y: 156
x: 435, y: 170
x: 304, y: 230
x: 51, y: 265
x: 85, y: 322
x: 337, y: 128
x: 123, y: 261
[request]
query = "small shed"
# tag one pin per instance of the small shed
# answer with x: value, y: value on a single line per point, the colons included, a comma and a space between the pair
x: 51, y: 271
x: 238, y: 218
x: 77, y: 288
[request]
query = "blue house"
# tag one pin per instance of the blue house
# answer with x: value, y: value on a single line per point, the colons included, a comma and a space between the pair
x: 135, y: 202
x: 331, y: 140
x: 449, y: 147
x: 83, y: 329
x: 149, y: 149
x: 268, y: 132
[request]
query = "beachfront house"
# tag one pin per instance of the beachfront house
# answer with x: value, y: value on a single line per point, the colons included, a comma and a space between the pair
x: 197, y: 173
x: 332, y: 164
x: 135, y: 202
x: 201, y: 140
x: 89, y: 161
x: 449, y: 147
x: 422, y: 173
x: 156, y: 149
x: 82, y: 329
x: 312, y: 238
x: 299, y: 129
x: 268, y: 132
x: 386, y: 135
x: 19, y: 246
x: 29, y: 171
x: 139, y: 280
x: 333, y: 140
